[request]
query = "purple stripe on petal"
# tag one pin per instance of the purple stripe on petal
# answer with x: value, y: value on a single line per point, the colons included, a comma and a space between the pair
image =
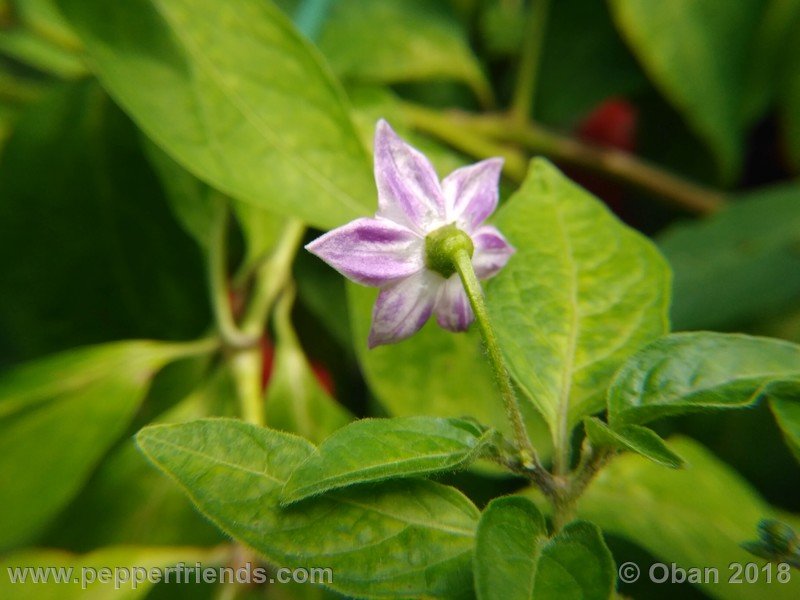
x: 453, y: 311
x: 403, y: 308
x: 371, y: 251
x: 471, y: 193
x: 408, y: 187
x: 492, y: 251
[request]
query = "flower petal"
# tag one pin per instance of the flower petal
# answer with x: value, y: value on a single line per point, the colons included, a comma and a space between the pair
x: 408, y: 187
x: 403, y: 308
x: 371, y: 251
x: 452, y: 308
x: 492, y: 251
x: 471, y: 193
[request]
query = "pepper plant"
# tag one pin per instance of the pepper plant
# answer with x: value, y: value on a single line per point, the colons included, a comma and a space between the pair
x: 187, y: 381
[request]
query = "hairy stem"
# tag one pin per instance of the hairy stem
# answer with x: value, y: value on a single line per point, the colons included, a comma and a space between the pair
x: 528, y: 74
x: 463, y: 264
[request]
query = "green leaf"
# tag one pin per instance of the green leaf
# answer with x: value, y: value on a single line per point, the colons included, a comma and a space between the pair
x: 787, y: 414
x: 44, y: 18
x: 448, y: 373
x: 771, y: 51
x: 391, y: 41
x: 90, y: 252
x: 407, y: 538
x: 696, y: 53
x: 79, y: 570
x: 372, y: 450
x: 691, y: 372
x: 576, y: 563
x: 514, y: 559
x: 197, y: 206
x: 58, y: 416
x: 233, y: 93
x: 695, y: 517
x: 581, y: 294
x: 579, y: 34
x: 634, y: 438
x: 126, y: 501
x: 40, y: 54
x: 296, y: 402
x: 750, y: 245
x: 508, y: 545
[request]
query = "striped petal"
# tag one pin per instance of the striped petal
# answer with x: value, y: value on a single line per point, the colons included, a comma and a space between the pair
x: 372, y: 252
x: 492, y: 251
x: 452, y: 308
x: 403, y: 308
x: 408, y: 187
x: 471, y: 193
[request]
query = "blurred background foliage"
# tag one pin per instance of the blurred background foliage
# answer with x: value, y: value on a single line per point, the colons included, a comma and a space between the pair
x: 99, y: 244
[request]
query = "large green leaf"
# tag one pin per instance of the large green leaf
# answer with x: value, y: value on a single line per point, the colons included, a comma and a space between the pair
x: 581, y: 294
x: 372, y: 450
x: 80, y: 574
x: 58, y: 416
x: 739, y: 265
x: 392, y: 41
x: 234, y: 94
x: 126, y: 501
x: 296, y: 402
x: 88, y: 249
x: 515, y: 560
x: 695, y: 517
x: 434, y: 372
x: 633, y: 438
x: 690, y: 372
x: 508, y: 544
x: 696, y: 52
x: 408, y: 538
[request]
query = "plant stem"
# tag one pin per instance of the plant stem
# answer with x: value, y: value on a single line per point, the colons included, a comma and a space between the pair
x: 489, y: 135
x: 271, y: 277
x: 230, y: 333
x: 463, y: 264
x: 611, y: 162
x: 247, y: 366
x: 528, y: 74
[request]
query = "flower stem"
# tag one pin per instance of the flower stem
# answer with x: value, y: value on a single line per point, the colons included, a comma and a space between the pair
x: 472, y: 286
x: 271, y: 277
x: 230, y: 333
x: 246, y: 366
x: 528, y: 74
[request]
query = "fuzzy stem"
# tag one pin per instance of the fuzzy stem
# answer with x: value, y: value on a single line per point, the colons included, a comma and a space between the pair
x: 472, y: 286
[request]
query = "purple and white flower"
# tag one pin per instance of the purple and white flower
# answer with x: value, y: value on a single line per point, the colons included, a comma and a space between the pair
x: 389, y: 252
